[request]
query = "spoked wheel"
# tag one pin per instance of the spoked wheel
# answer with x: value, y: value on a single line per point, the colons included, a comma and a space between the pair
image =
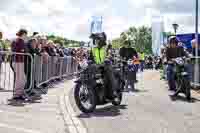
x: 85, y: 98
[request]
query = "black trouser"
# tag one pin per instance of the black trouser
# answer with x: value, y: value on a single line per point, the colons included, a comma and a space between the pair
x: 11, y: 66
x: 110, y: 80
x: 27, y: 70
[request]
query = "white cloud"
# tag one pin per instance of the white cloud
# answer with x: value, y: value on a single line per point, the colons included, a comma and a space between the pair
x: 70, y: 18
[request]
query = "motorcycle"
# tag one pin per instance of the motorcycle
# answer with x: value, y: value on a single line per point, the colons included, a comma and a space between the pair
x: 90, y: 88
x: 182, y: 78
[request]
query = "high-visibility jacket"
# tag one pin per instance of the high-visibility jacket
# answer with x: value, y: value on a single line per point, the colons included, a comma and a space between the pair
x: 99, y: 55
x: 142, y: 56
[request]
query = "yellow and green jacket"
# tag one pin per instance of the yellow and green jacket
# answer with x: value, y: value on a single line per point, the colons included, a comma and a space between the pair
x: 99, y: 55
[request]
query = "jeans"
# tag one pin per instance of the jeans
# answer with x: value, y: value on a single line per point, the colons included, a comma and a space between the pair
x: 171, y: 75
x: 137, y: 67
x: 142, y: 66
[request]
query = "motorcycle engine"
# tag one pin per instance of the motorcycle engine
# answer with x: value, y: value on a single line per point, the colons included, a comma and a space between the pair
x: 99, y: 81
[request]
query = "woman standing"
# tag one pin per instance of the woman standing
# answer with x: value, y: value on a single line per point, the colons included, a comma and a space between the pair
x: 18, y: 65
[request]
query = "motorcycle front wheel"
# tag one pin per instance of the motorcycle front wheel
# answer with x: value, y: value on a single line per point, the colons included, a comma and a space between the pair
x: 85, y: 98
x: 118, y: 100
x: 187, y: 89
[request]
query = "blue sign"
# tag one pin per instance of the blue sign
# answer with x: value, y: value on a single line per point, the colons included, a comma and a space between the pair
x: 96, y: 25
x: 186, y: 39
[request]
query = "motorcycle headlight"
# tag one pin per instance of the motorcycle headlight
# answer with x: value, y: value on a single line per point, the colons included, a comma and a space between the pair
x: 84, y: 65
x: 129, y: 62
x: 180, y: 62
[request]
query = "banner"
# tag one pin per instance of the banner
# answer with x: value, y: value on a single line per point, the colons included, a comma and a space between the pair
x: 96, y: 25
x: 157, y: 35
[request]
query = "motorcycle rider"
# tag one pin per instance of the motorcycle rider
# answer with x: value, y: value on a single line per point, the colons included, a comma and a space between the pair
x: 98, y: 56
x: 173, y: 51
x: 129, y: 53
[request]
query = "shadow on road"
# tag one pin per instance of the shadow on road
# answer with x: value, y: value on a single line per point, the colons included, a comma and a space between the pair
x: 16, y: 103
x: 4, y: 90
x: 183, y: 98
x: 22, y: 103
x: 108, y: 111
x: 136, y: 91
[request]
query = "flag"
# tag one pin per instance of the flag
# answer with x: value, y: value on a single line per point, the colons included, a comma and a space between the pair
x: 96, y: 25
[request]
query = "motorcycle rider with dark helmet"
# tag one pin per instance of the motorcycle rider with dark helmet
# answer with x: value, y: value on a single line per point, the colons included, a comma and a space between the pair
x: 98, y: 56
x: 173, y: 51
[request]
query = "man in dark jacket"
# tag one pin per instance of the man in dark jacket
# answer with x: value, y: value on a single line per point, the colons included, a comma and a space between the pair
x: 127, y: 52
x: 173, y: 51
x: 28, y: 62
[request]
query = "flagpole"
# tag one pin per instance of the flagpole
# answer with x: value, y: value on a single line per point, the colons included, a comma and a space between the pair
x: 101, y: 23
x: 196, y: 72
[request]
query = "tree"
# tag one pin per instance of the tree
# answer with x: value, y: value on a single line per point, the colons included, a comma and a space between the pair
x: 144, y: 40
x: 116, y: 43
x: 140, y: 38
x: 63, y: 41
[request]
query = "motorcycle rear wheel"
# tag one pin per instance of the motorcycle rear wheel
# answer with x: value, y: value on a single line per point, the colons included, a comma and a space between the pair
x: 79, y: 102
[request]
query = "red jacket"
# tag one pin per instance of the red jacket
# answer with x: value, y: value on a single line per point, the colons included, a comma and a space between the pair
x: 18, y: 46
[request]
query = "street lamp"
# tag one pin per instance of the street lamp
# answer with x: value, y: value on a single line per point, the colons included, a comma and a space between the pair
x: 175, y: 26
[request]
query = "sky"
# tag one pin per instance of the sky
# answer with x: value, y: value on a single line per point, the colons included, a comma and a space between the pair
x: 71, y: 18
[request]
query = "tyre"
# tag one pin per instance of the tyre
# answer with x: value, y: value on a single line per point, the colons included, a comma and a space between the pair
x: 117, y: 100
x: 187, y: 88
x: 85, y: 98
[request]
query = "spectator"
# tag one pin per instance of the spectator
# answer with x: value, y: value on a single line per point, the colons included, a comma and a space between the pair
x: 128, y: 53
x: 45, y: 59
x: 59, y: 50
x: 50, y: 48
x: 44, y: 50
x: 18, y: 46
x: 142, y: 60
x: 31, y: 49
x: 35, y: 33
x: 2, y: 44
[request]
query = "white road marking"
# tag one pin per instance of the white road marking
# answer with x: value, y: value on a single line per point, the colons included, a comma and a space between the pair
x: 18, y: 128
x: 77, y: 122
x: 18, y: 114
x: 73, y: 123
x: 67, y: 118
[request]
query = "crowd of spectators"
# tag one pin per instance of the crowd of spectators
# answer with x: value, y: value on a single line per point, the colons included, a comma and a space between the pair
x: 33, y: 45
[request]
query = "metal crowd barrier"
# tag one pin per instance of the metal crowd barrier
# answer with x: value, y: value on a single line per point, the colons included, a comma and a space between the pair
x: 14, y: 72
x: 195, y: 72
x: 46, y: 70
x: 28, y: 72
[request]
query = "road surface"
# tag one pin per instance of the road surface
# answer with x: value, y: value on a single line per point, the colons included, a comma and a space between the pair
x: 150, y: 110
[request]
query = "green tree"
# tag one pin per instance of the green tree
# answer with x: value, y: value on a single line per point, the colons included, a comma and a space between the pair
x: 140, y: 38
x: 63, y: 41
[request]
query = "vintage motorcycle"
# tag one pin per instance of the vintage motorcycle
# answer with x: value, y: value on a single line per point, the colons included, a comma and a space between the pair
x: 91, y: 90
x: 182, y: 77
